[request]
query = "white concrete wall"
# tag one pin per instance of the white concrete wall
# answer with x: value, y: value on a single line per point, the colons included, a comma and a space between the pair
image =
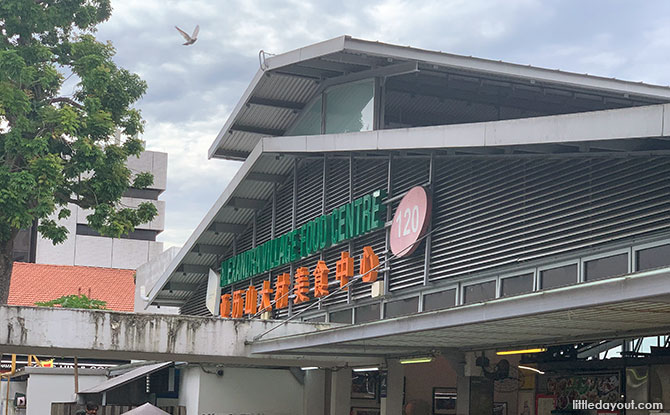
x: 14, y: 387
x: 146, y: 277
x: 189, y: 389
x: 242, y: 391
x: 43, y: 389
x: 106, y: 252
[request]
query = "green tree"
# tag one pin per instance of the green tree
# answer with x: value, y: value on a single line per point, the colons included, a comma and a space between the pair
x: 75, y: 301
x: 56, y: 148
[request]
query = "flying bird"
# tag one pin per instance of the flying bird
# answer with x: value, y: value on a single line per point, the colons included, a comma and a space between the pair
x: 190, y: 39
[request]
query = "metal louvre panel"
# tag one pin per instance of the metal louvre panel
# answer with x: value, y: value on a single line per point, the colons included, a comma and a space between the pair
x: 494, y: 212
x: 405, y: 174
x: 370, y: 174
x: 196, y: 305
x: 279, y: 313
x: 310, y: 264
x: 337, y: 185
x: 245, y: 240
x: 377, y: 240
x: 331, y: 256
x: 310, y: 191
x: 284, y: 208
x: 264, y: 225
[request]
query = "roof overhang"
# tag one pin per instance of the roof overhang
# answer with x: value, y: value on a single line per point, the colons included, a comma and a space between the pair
x: 612, y: 133
x: 631, y: 306
x: 287, y: 82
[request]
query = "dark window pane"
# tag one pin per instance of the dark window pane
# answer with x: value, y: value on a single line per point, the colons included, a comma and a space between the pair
x: 343, y: 316
x: 367, y: 313
x: 610, y: 266
x: 317, y: 319
x: 438, y: 301
x: 516, y: 285
x: 559, y: 276
x: 401, y: 307
x: 656, y: 257
x: 477, y: 293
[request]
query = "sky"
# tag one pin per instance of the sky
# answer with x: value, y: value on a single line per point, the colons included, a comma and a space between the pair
x: 193, y: 89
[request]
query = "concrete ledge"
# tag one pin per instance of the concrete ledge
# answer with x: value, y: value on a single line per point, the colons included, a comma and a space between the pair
x: 114, y: 335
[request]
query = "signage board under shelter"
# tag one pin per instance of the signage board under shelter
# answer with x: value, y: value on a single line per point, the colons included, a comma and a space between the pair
x: 363, y: 215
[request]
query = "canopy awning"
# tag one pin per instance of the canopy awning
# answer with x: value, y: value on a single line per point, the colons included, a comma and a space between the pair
x: 630, y: 306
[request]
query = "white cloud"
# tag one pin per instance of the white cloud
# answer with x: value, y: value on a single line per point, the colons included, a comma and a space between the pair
x: 193, y: 89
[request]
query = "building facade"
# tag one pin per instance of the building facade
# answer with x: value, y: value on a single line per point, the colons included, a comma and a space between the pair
x: 85, y: 247
x: 530, y: 207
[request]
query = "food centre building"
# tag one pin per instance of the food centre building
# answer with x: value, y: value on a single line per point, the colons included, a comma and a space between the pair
x: 478, y: 236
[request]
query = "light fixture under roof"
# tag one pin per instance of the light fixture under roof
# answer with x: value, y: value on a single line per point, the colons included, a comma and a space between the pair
x: 532, y: 369
x: 424, y: 359
x: 522, y: 351
x: 365, y: 369
x: 309, y: 368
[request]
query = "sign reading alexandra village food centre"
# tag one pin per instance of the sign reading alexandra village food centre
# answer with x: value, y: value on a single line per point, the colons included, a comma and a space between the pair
x: 363, y: 215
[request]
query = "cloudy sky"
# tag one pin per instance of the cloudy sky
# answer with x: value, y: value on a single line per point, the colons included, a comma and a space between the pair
x: 193, y: 89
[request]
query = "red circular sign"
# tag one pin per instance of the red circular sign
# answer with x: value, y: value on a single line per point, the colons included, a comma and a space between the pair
x: 410, y: 221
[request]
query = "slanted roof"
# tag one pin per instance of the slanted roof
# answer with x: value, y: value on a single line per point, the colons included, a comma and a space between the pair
x: 127, y: 377
x: 619, y: 132
x: 286, y: 83
x: 33, y: 283
x: 146, y: 409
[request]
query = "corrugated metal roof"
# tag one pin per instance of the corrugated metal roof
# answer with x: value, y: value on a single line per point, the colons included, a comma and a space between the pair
x: 127, y: 377
x: 296, y: 76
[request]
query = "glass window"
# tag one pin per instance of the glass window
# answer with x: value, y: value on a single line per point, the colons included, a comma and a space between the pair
x: 317, y: 319
x: 343, y: 316
x: 477, y: 293
x: 611, y: 266
x: 438, y: 301
x: 349, y: 107
x: 516, y: 285
x: 559, y: 276
x: 650, y: 258
x: 401, y: 307
x: 367, y: 313
x: 310, y: 123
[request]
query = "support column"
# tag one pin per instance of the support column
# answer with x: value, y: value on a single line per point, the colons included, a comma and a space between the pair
x: 314, y: 392
x: 340, y: 392
x: 392, y: 403
x: 474, y: 392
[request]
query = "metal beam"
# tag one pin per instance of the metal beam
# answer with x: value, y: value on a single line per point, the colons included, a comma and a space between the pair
x: 302, y: 72
x: 267, y: 102
x: 267, y: 177
x: 209, y: 249
x: 245, y: 203
x: 382, y: 72
x: 222, y: 227
x: 257, y: 130
x: 193, y: 269
x: 180, y: 286
x: 231, y: 155
x: 593, y: 350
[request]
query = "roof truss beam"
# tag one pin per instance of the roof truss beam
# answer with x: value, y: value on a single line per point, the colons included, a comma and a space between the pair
x: 272, y: 132
x: 246, y: 203
x: 277, y: 103
x: 180, y: 286
x: 193, y: 269
x: 208, y: 249
x: 266, y: 177
x: 223, y: 227
x: 231, y: 155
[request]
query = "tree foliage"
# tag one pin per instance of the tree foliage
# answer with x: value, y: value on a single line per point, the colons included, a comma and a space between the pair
x: 75, y: 301
x: 55, y: 142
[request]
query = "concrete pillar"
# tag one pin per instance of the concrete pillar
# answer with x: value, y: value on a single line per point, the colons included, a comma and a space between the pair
x: 474, y: 395
x: 314, y: 392
x: 392, y: 403
x: 340, y: 392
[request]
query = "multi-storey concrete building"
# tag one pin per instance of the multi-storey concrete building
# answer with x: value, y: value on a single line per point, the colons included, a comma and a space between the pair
x: 85, y: 246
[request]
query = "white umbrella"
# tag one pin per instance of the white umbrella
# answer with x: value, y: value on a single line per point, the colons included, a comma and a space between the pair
x: 146, y: 409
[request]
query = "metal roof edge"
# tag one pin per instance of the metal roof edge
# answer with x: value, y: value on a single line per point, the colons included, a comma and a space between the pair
x: 506, y: 68
x: 635, y: 122
x: 645, y: 284
x: 206, y: 222
x: 231, y: 118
